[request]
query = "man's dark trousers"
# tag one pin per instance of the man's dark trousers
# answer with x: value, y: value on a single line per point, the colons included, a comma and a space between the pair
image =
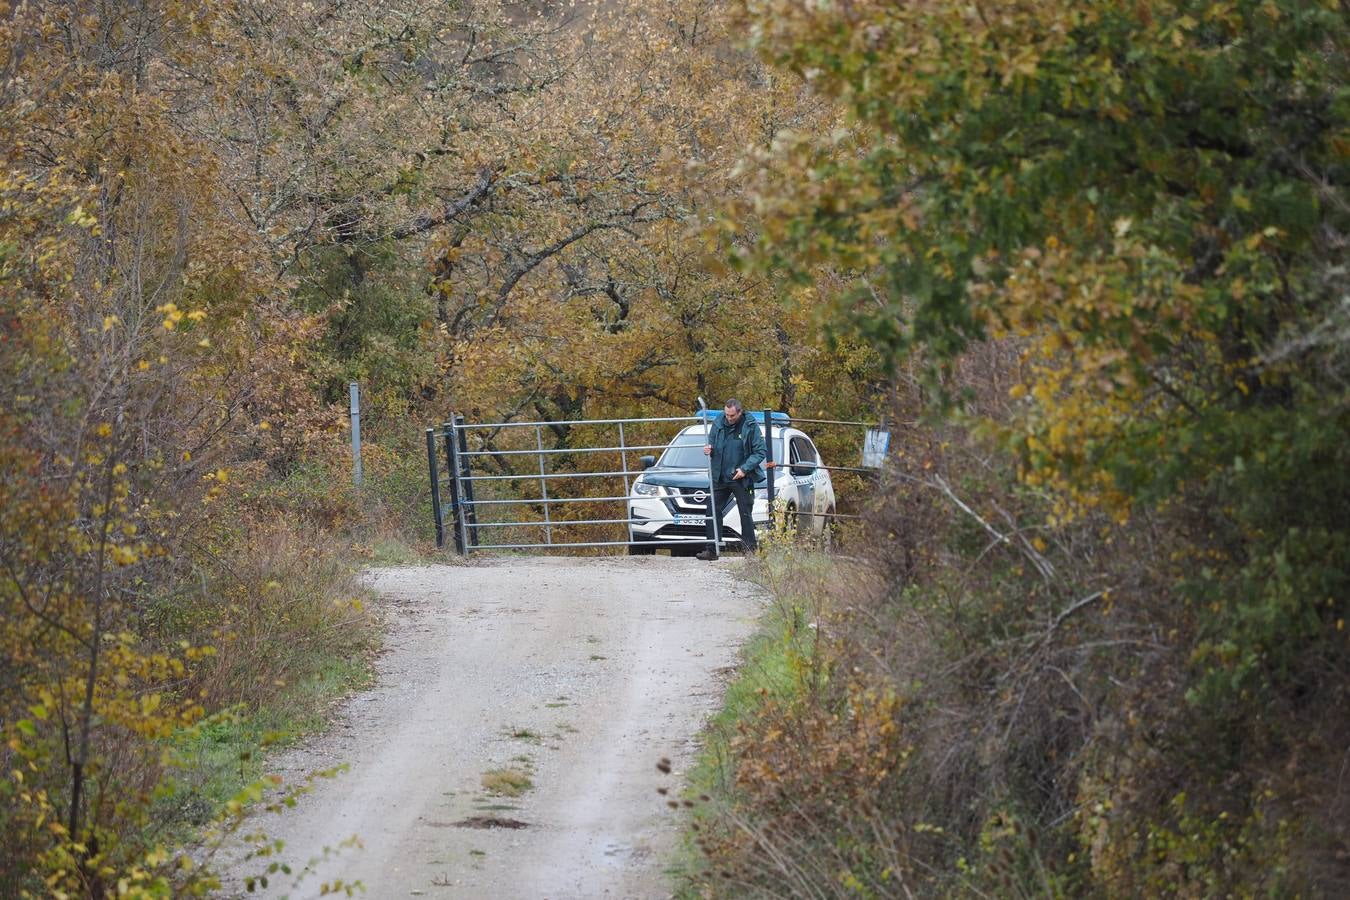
x: 744, y: 502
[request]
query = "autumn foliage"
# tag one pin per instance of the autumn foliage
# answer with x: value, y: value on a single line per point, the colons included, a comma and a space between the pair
x: 1102, y: 244
x: 141, y: 323
x: 213, y: 216
x: 1094, y: 250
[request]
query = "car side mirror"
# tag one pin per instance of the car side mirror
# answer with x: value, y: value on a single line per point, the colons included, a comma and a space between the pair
x: 647, y: 461
x: 804, y: 468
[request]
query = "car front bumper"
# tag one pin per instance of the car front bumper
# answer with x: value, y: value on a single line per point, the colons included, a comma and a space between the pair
x: 659, y: 520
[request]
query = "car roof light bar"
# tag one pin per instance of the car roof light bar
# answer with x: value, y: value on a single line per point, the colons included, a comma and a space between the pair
x: 757, y: 415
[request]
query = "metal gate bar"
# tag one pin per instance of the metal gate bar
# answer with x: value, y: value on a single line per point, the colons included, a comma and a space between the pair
x: 560, y: 523
x: 865, y: 469
x: 570, y: 544
x: 800, y: 421
x: 565, y: 450
x: 534, y: 477
x: 536, y: 501
x: 574, y: 422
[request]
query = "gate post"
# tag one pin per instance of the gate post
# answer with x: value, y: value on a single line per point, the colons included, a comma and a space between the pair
x: 452, y: 466
x: 768, y: 456
x: 470, y: 517
x: 436, y: 514
x: 355, y: 412
x: 714, y: 513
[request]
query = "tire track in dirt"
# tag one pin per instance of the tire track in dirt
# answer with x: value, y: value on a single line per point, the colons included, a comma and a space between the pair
x: 580, y: 673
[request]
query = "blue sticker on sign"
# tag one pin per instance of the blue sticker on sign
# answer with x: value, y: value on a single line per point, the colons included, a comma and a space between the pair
x: 875, y: 445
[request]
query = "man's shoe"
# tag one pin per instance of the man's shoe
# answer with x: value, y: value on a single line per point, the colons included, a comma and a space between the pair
x: 705, y: 555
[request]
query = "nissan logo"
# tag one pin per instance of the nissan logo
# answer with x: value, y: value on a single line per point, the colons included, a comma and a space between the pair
x: 699, y: 496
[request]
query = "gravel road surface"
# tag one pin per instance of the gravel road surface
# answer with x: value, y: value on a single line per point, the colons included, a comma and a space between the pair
x: 580, y: 674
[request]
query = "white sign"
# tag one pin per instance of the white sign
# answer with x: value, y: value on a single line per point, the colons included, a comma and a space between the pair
x: 875, y: 446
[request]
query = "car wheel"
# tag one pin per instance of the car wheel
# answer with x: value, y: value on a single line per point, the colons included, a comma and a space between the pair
x: 827, y: 532
x: 791, y: 521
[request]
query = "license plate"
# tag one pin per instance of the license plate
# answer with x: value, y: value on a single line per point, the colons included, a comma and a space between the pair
x: 688, y: 520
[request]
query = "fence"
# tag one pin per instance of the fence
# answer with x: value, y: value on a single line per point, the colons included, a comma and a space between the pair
x: 479, y: 488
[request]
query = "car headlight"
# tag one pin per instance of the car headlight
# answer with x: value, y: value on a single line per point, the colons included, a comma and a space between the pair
x: 762, y: 494
x: 643, y: 489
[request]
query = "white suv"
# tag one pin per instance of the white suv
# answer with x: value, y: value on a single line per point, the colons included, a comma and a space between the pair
x: 669, y: 500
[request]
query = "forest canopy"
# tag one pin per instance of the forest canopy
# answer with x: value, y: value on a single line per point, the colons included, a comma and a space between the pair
x: 1095, y: 252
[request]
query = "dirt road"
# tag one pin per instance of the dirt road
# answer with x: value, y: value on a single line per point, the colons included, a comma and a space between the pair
x: 579, y: 674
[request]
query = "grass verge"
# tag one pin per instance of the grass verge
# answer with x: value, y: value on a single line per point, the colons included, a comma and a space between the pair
x: 291, y: 630
x: 222, y: 756
x: 778, y: 664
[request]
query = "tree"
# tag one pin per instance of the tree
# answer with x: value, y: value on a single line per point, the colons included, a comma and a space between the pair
x: 123, y: 351
x: 351, y: 133
x: 1148, y: 202
x: 588, y: 288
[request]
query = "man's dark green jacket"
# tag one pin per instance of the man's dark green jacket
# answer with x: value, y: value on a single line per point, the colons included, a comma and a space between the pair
x: 739, y: 446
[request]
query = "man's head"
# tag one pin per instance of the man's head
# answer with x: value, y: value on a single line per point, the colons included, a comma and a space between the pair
x: 732, y: 411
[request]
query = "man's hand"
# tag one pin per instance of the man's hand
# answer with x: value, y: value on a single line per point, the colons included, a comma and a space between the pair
x: 739, y: 474
x: 707, y: 449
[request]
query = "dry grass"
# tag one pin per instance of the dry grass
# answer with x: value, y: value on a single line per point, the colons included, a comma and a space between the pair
x: 276, y: 604
x: 964, y: 664
x: 506, y: 782
x: 983, y: 685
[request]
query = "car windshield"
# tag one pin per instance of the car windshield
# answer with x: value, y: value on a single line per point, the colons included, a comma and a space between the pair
x: 684, y: 454
x: 687, y: 453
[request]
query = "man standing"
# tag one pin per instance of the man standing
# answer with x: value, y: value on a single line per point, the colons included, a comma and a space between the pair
x: 736, y: 446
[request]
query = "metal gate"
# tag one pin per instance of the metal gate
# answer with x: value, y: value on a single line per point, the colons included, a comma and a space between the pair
x: 479, y: 487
